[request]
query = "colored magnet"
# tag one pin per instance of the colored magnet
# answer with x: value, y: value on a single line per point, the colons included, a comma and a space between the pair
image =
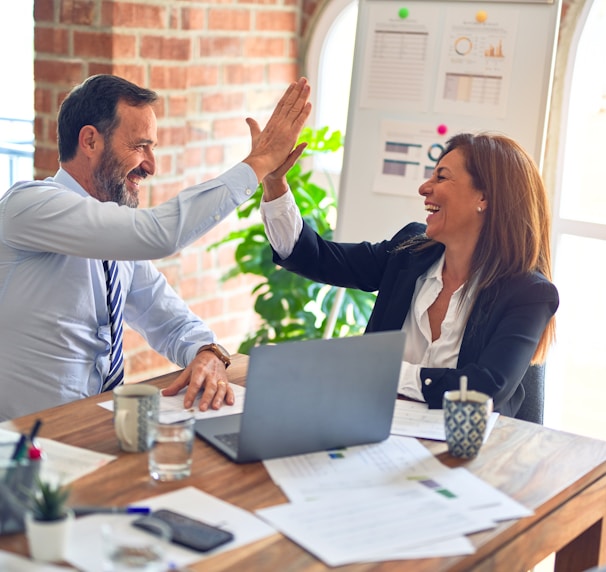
x: 442, y: 129
x: 481, y: 16
x: 403, y: 13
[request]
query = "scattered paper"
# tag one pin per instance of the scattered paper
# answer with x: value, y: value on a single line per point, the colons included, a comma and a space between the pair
x: 367, y: 490
x: 414, y: 419
x: 370, y: 525
x: 63, y: 463
x: 315, y: 475
x: 14, y: 563
x: 172, y: 406
x: 463, y: 488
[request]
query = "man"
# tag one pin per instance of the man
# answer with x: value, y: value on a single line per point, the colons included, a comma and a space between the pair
x: 62, y: 299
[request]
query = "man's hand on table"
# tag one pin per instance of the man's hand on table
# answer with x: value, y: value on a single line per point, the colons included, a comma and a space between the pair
x: 205, y: 373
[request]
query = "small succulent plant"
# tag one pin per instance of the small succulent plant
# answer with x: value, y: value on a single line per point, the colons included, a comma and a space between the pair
x: 48, y: 501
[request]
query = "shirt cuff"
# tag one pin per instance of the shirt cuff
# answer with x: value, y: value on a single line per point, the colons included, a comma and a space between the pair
x: 409, y: 384
x: 283, y: 223
x: 241, y: 180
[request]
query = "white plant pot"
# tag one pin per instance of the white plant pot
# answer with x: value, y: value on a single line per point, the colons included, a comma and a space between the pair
x: 48, y: 540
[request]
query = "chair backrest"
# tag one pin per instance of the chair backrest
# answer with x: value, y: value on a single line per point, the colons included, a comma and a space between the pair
x: 533, y: 406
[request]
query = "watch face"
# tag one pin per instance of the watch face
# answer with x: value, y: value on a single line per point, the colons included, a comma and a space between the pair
x: 220, y: 352
x: 223, y: 351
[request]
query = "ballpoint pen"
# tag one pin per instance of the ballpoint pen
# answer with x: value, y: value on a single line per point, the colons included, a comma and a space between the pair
x: 84, y: 510
x: 34, y: 432
x: 33, y: 452
x: 19, y: 448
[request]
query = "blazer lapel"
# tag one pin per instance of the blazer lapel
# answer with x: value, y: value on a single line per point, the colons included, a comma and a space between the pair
x: 395, y: 296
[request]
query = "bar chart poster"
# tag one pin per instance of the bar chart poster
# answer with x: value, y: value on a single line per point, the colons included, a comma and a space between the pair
x: 409, y: 153
x: 476, y: 62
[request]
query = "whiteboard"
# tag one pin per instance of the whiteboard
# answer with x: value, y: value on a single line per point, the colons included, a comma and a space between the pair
x: 424, y: 71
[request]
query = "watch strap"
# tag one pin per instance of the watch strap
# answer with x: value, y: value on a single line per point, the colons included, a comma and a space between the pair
x: 219, y: 351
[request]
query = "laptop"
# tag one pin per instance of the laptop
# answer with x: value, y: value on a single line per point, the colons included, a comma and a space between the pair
x: 312, y: 395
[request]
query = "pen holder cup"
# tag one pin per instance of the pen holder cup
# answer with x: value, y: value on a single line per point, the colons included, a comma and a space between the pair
x: 17, y: 479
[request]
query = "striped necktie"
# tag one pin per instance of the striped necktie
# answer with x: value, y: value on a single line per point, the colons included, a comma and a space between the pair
x: 114, y: 306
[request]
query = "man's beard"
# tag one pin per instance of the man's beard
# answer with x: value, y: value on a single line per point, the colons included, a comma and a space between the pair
x: 109, y: 183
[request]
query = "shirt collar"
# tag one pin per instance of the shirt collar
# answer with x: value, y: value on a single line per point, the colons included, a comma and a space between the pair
x: 434, y: 272
x: 64, y: 178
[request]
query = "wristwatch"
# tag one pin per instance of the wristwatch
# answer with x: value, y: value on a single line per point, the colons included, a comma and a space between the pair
x: 219, y: 351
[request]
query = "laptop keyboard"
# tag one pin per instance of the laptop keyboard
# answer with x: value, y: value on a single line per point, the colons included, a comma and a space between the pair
x: 229, y: 439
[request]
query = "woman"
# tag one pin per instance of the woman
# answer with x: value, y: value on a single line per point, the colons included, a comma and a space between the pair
x: 476, y: 276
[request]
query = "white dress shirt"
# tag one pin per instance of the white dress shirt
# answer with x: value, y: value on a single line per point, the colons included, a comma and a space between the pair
x: 283, y: 225
x: 54, y: 335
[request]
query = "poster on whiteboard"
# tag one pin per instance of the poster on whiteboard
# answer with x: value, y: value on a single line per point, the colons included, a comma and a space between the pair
x: 476, y: 62
x: 409, y: 153
x: 398, y: 58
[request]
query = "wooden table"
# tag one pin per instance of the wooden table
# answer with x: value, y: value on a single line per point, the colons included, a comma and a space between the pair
x: 561, y: 476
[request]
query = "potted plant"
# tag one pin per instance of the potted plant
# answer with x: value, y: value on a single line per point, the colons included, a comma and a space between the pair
x: 48, y: 521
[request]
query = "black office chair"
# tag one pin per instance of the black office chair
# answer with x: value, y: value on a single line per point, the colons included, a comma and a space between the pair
x: 533, y: 405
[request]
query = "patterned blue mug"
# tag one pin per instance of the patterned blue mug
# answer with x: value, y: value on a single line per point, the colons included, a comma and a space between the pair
x: 465, y: 422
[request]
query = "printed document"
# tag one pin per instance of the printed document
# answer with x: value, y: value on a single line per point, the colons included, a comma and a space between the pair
x: 417, y: 420
x: 370, y: 525
x: 171, y: 407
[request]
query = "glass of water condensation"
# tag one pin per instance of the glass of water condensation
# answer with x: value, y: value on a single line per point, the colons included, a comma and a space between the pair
x: 172, y: 441
x: 129, y: 549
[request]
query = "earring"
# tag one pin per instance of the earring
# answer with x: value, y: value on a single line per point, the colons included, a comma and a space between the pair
x: 479, y: 209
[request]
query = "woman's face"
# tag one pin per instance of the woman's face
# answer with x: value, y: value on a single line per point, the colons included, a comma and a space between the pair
x: 453, y: 202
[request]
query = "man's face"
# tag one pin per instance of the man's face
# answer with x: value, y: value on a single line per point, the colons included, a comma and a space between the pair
x: 127, y: 157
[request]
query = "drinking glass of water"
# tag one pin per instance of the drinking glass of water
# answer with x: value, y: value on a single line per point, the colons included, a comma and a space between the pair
x: 129, y: 549
x: 170, y: 453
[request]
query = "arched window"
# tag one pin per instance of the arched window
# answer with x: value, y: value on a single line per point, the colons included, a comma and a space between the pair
x: 328, y: 62
x: 575, y: 392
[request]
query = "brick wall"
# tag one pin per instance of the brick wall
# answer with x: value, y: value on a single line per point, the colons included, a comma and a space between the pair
x: 213, y: 63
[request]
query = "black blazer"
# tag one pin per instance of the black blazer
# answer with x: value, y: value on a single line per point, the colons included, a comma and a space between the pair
x: 501, y: 334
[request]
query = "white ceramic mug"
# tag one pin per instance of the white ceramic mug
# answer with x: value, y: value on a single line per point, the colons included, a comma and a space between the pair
x: 135, y: 405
